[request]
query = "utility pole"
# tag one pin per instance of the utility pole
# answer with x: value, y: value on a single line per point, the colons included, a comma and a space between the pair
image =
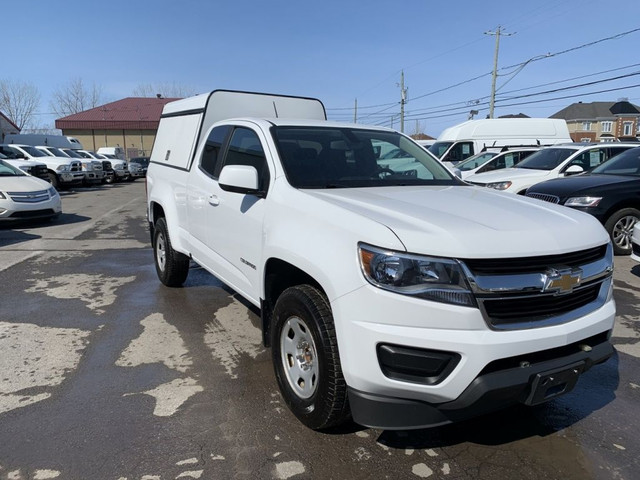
x: 403, y: 100
x: 494, y: 75
x: 355, y: 112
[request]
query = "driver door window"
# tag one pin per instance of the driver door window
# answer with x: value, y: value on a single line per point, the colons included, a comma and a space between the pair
x: 245, y: 149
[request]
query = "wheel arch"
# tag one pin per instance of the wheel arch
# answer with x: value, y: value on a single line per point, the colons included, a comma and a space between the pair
x: 278, y: 276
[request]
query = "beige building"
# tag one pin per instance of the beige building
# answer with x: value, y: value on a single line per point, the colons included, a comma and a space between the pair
x: 130, y: 123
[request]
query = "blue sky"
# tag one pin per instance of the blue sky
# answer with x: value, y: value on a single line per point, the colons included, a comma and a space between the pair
x: 338, y: 51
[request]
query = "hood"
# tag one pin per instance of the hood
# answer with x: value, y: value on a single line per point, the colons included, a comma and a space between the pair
x: 509, y: 174
x: 570, y: 186
x: 469, y: 222
x: 25, y: 183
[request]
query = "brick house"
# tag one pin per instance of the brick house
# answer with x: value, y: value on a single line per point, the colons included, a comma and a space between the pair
x: 602, y: 121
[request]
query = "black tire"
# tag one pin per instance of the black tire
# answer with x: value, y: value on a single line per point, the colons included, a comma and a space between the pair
x: 53, y: 178
x: 620, y: 228
x: 172, y: 267
x: 306, y: 360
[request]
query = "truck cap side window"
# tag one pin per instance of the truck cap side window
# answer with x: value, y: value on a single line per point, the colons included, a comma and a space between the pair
x: 211, y: 152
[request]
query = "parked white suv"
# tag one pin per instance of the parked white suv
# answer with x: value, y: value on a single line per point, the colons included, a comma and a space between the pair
x: 390, y: 290
x: 550, y: 162
x: 63, y: 171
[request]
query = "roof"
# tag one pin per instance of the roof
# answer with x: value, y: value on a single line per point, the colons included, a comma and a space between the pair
x: 3, y: 116
x: 593, y: 110
x: 129, y: 113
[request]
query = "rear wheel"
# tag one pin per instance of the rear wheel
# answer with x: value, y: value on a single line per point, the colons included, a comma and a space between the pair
x: 620, y: 228
x: 172, y: 267
x: 306, y: 360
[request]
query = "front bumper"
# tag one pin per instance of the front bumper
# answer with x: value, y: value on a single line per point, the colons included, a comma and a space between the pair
x: 71, y: 178
x: 515, y: 380
x: 14, y: 211
x: 369, y: 317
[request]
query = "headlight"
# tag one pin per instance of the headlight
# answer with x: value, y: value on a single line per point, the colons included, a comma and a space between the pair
x: 52, y: 192
x: 63, y: 168
x: 431, y: 278
x: 499, y: 185
x: 2, y: 197
x: 583, y: 202
x: 119, y: 166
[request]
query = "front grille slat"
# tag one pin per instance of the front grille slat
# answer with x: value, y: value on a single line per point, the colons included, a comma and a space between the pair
x: 544, y: 197
x: 505, y: 266
x: 538, y: 307
x: 29, y: 197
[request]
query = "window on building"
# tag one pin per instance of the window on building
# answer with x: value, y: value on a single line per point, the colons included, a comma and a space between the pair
x: 607, y: 127
x: 586, y: 126
x: 627, y: 128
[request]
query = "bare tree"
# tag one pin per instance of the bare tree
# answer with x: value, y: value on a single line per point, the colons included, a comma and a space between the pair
x: 74, y: 97
x: 19, y: 101
x: 167, y: 90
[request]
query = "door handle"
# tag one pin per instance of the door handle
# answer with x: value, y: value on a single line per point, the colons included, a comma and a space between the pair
x: 214, y: 200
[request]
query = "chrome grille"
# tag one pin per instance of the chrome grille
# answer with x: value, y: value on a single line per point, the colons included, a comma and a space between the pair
x: 76, y: 166
x: 29, y: 197
x: 545, y: 197
x: 530, y: 292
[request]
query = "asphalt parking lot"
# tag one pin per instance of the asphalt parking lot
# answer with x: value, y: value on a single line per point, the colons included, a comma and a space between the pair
x: 107, y: 374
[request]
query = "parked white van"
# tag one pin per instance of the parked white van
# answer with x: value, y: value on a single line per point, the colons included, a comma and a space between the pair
x: 35, y: 140
x: 117, y: 152
x: 473, y: 136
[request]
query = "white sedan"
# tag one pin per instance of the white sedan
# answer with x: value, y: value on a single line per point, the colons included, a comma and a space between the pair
x: 23, y: 197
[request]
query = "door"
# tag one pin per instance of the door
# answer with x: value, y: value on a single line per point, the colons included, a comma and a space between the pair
x: 232, y: 230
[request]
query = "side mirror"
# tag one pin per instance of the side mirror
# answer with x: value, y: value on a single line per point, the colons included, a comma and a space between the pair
x: 240, y: 179
x: 573, y: 170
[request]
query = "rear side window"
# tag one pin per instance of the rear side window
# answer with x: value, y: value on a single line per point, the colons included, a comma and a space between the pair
x: 211, y: 154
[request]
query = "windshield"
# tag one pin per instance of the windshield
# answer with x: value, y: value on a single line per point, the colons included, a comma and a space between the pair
x: 342, y: 157
x: 546, y: 159
x: 56, y: 152
x: 71, y: 153
x: 626, y: 163
x: 8, y: 170
x: 475, y: 161
x: 439, y: 148
x: 34, y: 152
x: 144, y: 161
x: 82, y: 154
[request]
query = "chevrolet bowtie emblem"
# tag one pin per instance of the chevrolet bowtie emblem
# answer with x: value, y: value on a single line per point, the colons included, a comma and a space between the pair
x: 561, y: 280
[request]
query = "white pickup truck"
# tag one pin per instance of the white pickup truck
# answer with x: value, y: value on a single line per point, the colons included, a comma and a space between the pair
x: 390, y: 291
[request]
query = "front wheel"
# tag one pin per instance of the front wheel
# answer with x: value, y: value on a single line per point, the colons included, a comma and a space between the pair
x: 172, y: 267
x: 620, y: 228
x: 306, y: 360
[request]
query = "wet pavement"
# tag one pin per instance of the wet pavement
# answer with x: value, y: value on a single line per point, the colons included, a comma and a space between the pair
x: 106, y: 374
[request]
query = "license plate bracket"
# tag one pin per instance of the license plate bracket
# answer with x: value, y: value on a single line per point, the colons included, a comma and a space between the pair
x: 553, y: 383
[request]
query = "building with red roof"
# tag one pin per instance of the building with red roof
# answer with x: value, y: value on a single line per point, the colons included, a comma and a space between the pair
x: 7, y: 127
x: 130, y: 123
